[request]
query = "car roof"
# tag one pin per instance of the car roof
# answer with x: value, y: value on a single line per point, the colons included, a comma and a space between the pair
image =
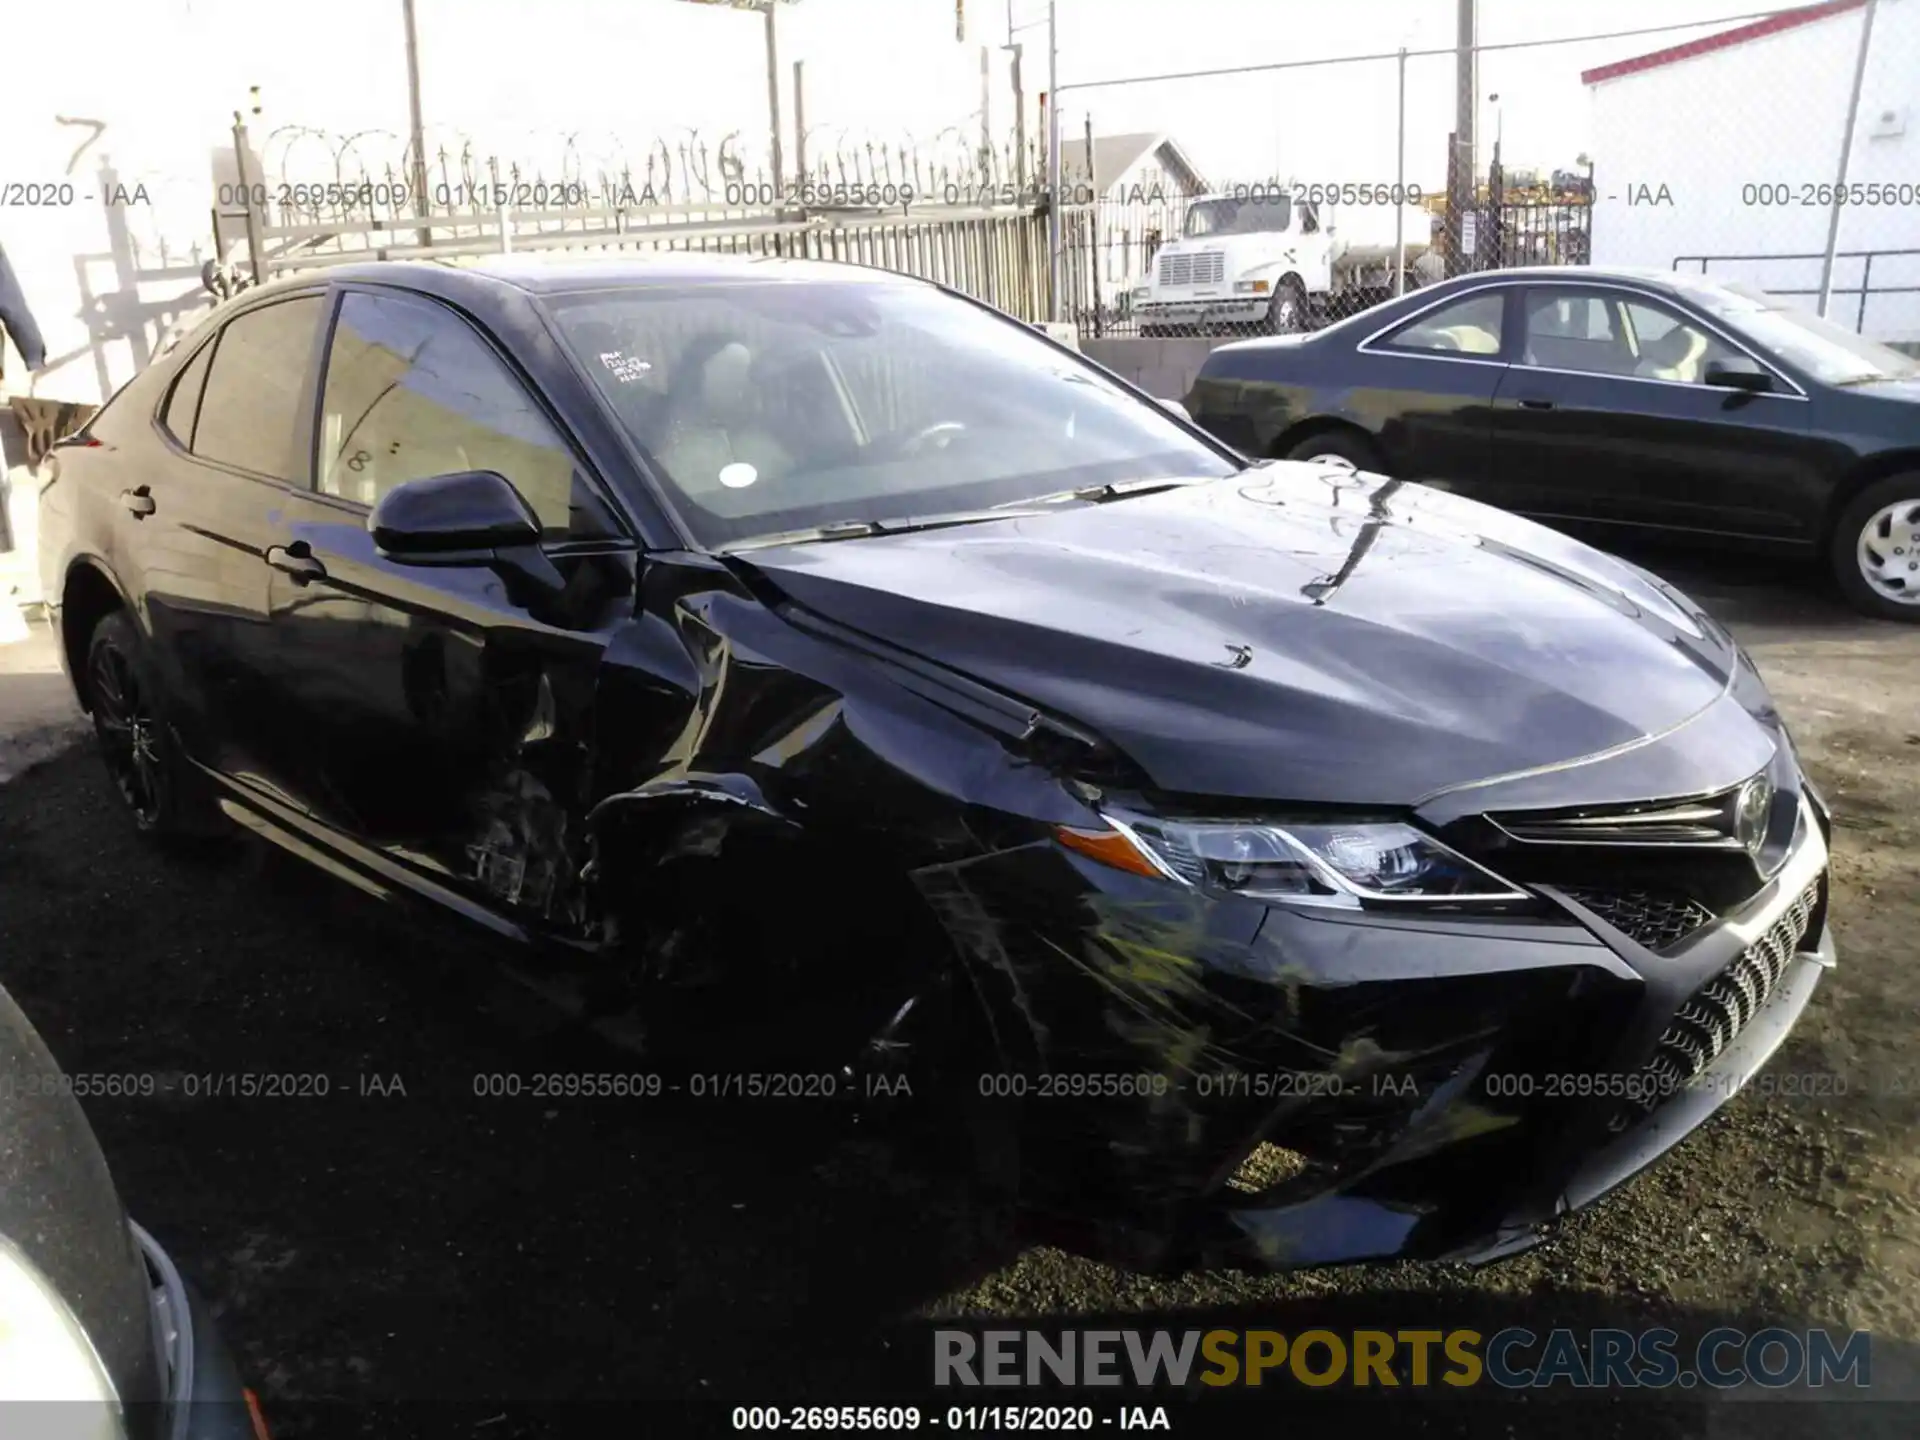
x: 1574, y: 274
x: 551, y: 274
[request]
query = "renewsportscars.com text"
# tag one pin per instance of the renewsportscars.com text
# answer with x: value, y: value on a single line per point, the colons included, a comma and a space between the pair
x: 1513, y: 1358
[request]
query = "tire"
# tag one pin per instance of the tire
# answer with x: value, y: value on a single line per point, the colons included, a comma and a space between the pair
x: 142, y: 757
x: 1875, y: 550
x: 1347, y: 446
x: 1287, y: 310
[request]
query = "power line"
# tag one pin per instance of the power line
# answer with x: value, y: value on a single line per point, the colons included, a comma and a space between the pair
x: 1415, y: 54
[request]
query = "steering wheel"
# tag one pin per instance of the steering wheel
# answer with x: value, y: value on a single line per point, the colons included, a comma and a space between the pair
x: 938, y: 435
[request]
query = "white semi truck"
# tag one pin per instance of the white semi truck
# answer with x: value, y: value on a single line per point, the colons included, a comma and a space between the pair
x: 1268, y: 260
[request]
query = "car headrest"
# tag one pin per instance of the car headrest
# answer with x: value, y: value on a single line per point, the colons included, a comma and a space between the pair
x: 724, y: 380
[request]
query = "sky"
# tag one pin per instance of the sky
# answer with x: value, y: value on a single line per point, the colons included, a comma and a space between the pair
x: 1341, y: 120
x: 613, y: 70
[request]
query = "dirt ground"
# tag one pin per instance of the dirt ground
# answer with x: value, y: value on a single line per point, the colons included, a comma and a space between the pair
x: 481, y: 1263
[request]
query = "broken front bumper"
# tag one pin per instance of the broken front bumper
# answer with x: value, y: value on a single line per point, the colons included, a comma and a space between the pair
x: 1218, y: 1082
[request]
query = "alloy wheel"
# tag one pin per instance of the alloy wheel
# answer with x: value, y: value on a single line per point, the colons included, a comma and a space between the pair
x: 128, y: 731
x: 1888, y: 551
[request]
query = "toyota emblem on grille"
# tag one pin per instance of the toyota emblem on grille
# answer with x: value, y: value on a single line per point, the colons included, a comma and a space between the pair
x: 1750, y: 813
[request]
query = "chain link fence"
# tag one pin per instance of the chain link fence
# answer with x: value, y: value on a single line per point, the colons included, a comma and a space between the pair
x: 1714, y: 148
x: 1349, y: 214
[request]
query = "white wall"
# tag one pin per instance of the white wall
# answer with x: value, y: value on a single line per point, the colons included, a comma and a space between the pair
x: 513, y: 77
x: 1767, y: 112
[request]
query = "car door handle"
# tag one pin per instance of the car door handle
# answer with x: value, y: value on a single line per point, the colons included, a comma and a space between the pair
x: 139, y: 502
x: 1535, y: 402
x: 296, y: 562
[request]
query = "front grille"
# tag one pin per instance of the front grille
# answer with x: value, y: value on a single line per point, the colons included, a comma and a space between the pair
x: 1645, y: 916
x: 1709, y: 820
x: 1713, y: 1015
x: 1207, y: 268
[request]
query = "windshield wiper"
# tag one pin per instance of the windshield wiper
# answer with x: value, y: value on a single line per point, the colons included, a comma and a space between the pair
x: 1101, y: 494
x: 859, y: 529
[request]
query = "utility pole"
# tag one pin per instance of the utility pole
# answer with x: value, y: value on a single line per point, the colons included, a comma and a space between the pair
x: 1053, y: 161
x: 416, y: 127
x: 1019, y: 105
x: 1464, y: 171
x: 800, y: 127
x: 986, y: 121
x: 766, y: 8
x: 773, y: 99
x: 1019, y: 123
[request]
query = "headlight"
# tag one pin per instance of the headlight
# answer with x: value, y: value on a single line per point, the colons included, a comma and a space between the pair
x: 45, y: 1355
x: 1339, y: 863
x: 1252, y: 287
x: 1140, y: 292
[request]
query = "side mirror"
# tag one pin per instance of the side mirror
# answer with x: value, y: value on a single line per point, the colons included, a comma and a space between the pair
x: 469, y: 517
x: 1738, y: 373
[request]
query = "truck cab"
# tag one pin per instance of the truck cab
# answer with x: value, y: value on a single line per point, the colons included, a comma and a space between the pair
x: 1269, y: 259
x: 1242, y: 262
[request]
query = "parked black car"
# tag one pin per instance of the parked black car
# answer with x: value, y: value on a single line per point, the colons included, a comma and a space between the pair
x: 99, y: 1336
x: 1628, y: 399
x: 1291, y: 865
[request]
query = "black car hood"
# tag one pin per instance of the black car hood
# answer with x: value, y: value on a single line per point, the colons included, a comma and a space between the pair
x: 1293, y: 632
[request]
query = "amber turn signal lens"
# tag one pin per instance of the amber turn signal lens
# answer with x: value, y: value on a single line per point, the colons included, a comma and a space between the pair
x: 1109, y: 847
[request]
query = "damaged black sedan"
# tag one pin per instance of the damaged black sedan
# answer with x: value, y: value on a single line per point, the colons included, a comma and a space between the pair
x: 1291, y: 865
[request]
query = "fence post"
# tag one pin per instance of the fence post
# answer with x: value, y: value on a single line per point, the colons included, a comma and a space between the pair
x: 1400, y: 188
x: 1093, y: 225
x: 242, y: 153
x: 1846, y: 154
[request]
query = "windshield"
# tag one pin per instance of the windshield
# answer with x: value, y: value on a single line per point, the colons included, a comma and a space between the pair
x: 1239, y: 217
x: 768, y: 407
x: 1828, y: 352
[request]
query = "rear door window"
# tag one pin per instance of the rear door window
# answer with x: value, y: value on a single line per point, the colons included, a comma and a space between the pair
x: 1469, y: 326
x: 250, y: 413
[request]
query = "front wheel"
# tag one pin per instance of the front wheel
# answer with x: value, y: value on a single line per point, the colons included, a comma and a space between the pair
x: 1287, y: 310
x: 1876, y: 549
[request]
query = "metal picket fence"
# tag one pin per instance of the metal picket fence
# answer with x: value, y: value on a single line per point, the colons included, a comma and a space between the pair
x: 306, y: 200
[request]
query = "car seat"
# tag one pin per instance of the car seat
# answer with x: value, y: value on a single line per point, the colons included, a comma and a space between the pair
x: 1676, y: 355
x: 711, y: 421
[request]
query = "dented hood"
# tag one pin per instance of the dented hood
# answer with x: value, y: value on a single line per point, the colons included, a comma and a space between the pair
x: 1290, y: 633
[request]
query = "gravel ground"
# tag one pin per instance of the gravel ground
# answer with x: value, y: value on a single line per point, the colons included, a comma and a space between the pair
x: 482, y: 1262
